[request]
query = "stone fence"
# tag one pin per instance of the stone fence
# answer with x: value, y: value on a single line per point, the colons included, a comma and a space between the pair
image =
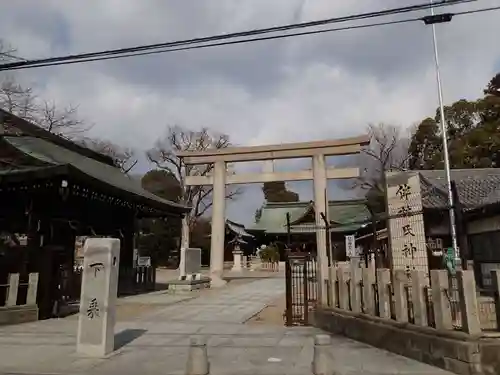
x: 442, y: 321
x: 18, y: 299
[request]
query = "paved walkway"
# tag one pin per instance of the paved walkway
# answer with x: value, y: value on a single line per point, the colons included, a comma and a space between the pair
x: 157, y: 342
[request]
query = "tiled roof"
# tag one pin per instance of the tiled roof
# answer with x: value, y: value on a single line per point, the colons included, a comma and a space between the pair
x: 344, y: 216
x: 476, y: 188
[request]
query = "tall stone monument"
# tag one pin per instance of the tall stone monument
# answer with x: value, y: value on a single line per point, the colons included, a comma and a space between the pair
x: 408, y: 248
x: 96, y: 324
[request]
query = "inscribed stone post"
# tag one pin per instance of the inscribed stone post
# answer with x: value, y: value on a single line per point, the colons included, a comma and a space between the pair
x: 368, y: 296
x: 400, y: 299
x: 13, y: 289
x: 419, y: 297
x: 192, y: 262
x: 408, y: 249
x: 98, y: 297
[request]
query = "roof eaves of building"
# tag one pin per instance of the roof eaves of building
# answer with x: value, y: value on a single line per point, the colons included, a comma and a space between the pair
x: 64, y: 161
x: 27, y: 128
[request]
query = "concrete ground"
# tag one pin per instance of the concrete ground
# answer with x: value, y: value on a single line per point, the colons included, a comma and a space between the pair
x: 156, y: 341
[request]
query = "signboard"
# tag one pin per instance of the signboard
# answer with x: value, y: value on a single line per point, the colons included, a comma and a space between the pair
x: 350, y: 246
x: 144, y: 262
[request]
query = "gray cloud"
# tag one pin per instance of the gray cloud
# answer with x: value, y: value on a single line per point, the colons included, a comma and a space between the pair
x: 300, y: 89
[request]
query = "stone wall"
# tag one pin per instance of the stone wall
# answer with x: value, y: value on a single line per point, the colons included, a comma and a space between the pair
x: 18, y: 314
x: 401, y: 313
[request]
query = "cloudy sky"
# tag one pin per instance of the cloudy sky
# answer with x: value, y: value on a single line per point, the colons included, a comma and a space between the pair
x: 306, y: 88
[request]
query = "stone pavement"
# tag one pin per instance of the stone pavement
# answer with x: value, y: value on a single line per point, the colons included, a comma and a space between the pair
x: 157, y: 343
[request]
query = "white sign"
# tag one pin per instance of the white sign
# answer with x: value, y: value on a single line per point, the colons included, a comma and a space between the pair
x: 144, y: 262
x: 350, y: 247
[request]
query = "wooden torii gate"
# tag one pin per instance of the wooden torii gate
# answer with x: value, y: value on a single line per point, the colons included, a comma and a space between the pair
x: 319, y: 174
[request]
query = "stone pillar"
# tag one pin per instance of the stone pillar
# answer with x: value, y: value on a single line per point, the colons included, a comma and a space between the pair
x: 322, y: 363
x: 13, y: 289
x: 383, y: 280
x: 96, y: 323
x: 320, y: 206
x: 441, y: 303
x: 355, y: 289
x: 495, y: 280
x: 343, y: 278
x: 419, y: 297
x: 218, y: 225
x: 334, y: 298
x: 197, y: 361
x: 32, y: 288
x: 237, y: 259
x: 400, y: 301
x: 368, y: 278
x: 468, y: 302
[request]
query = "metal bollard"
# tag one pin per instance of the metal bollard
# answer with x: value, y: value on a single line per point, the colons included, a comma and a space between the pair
x: 322, y: 363
x: 197, y: 361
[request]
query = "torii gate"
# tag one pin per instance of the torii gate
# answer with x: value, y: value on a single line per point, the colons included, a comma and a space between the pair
x: 317, y: 150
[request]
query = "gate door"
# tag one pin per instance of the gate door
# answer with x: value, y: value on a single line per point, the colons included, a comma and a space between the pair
x: 301, y: 287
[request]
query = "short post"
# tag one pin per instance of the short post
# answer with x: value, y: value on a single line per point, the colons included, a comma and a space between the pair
x: 96, y: 323
x: 343, y: 277
x: 440, y: 301
x: 368, y: 278
x: 400, y: 301
x: 322, y: 363
x: 468, y: 302
x: 13, y: 289
x: 419, y: 297
x: 355, y: 289
x: 495, y: 279
x: 383, y: 280
x: 32, y: 288
x: 333, y: 286
x: 237, y: 259
x: 197, y: 361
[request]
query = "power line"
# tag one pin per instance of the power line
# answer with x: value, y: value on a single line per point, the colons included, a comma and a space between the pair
x: 127, y: 52
x: 249, y: 40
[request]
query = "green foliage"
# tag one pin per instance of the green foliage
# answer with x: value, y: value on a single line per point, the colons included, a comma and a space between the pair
x: 276, y: 191
x: 270, y: 254
x: 163, y: 183
x: 473, y: 134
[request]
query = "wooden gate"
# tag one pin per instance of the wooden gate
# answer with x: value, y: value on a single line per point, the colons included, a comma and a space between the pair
x: 301, y: 287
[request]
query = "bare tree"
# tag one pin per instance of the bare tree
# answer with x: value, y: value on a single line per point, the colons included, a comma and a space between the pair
x: 163, y: 155
x: 123, y: 157
x: 17, y: 99
x: 388, y: 151
x: 63, y: 121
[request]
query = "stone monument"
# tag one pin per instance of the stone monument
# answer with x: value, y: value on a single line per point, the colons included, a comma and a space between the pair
x: 96, y: 323
x: 190, y: 277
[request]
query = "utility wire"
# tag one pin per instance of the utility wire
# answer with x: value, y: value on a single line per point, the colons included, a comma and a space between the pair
x: 420, y: 19
x: 128, y: 51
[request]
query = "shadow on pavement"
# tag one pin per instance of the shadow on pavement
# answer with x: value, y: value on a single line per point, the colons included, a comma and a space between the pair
x: 127, y: 336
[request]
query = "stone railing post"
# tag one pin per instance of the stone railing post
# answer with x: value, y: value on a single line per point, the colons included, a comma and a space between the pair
x: 197, y: 361
x: 355, y: 290
x: 368, y: 278
x: 440, y: 300
x: 32, y: 288
x: 322, y: 363
x: 400, y: 300
x: 334, y: 298
x: 419, y: 297
x: 13, y: 289
x: 383, y: 280
x: 468, y: 302
x: 343, y: 278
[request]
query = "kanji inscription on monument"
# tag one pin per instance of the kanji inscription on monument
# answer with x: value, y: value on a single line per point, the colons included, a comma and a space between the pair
x: 98, y: 296
x: 408, y: 250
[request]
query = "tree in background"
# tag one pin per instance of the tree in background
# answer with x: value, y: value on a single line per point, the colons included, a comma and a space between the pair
x: 23, y: 102
x: 473, y: 134
x: 164, y: 156
x: 388, y: 151
x: 276, y: 191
